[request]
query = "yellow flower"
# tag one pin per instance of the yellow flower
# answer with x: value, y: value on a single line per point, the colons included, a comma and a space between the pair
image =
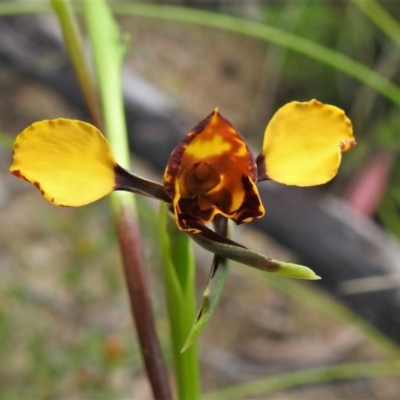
x: 211, y: 171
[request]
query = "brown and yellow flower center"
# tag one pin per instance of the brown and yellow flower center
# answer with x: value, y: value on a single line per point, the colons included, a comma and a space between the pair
x: 198, y: 180
x: 211, y: 172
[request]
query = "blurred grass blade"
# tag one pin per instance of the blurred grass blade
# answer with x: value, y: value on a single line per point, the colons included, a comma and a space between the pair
x: 74, y: 43
x: 388, y: 211
x: 10, y: 8
x: 307, y: 376
x: 370, y: 284
x: 179, y: 278
x: 219, y: 273
x: 381, y: 18
x: 213, y: 242
x: 244, y: 27
x: 268, y: 34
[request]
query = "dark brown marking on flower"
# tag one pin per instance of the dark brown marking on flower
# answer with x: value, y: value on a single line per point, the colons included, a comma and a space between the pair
x: 261, y: 169
x: 251, y: 207
x: 222, y: 200
x: 17, y: 173
x: 346, y: 145
x: 203, y: 123
x: 174, y: 164
x: 188, y: 212
x: 198, y: 180
x: 37, y: 184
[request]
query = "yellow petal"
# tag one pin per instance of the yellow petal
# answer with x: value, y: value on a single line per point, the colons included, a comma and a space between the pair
x: 303, y: 144
x: 69, y: 161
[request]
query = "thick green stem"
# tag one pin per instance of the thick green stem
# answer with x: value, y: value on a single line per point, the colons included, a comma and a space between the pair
x: 179, y: 277
x: 108, y: 50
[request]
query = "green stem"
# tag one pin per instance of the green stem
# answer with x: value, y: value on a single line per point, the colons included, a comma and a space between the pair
x: 108, y: 50
x: 74, y: 42
x: 179, y: 277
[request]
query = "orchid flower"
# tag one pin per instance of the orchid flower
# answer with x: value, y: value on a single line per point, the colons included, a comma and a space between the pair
x: 210, y: 173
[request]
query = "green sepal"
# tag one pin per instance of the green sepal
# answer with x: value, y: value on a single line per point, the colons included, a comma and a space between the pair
x: 218, y: 275
x: 225, y: 247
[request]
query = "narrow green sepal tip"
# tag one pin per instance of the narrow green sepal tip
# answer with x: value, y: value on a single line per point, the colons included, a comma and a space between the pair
x: 296, y: 271
x: 227, y: 248
x: 198, y: 327
x: 188, y: 343
x: 211, y: 295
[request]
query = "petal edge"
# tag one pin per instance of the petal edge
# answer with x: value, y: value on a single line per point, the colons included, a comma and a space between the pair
x: 69, y: 161
x: 303, y: 144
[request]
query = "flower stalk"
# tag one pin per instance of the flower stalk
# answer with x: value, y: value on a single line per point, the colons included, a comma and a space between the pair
x: 107, y: 53
x: 74, y: 42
